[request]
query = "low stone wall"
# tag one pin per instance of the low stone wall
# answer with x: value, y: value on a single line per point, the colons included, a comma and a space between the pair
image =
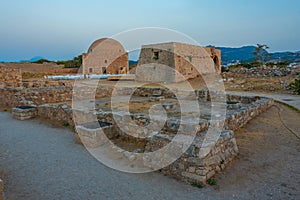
x: 24, y: 113
x: 236, y: 119
x: 47, y: 84
x: 9, y: 97
x: 60, y: 114
x: 10, y: 77
x: 194, y: 166
x: 12, y: 97
x: 1, y: 190
x: 202, y: 160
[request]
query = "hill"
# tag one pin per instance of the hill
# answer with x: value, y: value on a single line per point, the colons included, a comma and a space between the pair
x: 232, y: 55
x: 245, y: 54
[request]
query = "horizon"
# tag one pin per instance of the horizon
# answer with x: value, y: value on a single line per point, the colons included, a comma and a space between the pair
x: 61, y: 30
x: 133, y: 55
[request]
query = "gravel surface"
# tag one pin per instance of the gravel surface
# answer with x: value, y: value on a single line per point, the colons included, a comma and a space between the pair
x: 40, y: 161
x: 292, y: 100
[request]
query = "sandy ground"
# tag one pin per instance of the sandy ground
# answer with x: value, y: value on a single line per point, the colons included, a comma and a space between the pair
x: 40, y: 161
x: 268, y: 164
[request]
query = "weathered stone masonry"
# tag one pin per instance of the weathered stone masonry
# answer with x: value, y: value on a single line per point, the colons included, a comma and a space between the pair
x: 191, y: 166
x: 10, y: 77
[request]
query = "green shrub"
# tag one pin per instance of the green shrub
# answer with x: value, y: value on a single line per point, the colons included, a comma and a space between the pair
x: 65, y: 124
x: 197, y: 185
x: 224, y: 69
x: 295, y: 86
x: 212, y: 181
x: 41, y: 61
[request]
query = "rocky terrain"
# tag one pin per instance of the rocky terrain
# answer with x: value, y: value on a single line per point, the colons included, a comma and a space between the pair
x: 261, y: 79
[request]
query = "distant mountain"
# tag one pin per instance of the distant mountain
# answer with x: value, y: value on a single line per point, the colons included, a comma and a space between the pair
x: 229, y: 55
x: 34, y: 59
x: 132, y: 62
x: 286, y: 56
x: 232, y: 55
x: 245, y: 54
x: 37, y: 58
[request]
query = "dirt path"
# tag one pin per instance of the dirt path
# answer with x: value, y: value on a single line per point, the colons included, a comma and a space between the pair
x: 292, y: 100
x: 269, y: 160
x: 42, y: 162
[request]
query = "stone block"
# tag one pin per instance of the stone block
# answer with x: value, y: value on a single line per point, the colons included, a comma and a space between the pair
x: 194, y: 178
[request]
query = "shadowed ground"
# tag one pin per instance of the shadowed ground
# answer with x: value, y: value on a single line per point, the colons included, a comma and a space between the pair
x: 39, y: 161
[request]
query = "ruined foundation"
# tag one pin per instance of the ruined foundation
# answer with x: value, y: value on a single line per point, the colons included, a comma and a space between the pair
x: 193, y: 166
x: 52, y: 102
x: 24, y: 112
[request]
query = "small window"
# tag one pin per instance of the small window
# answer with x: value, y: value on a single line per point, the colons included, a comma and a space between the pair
x: 90, y: 70
x: 105, y: 61
x: 155, y: 55
x: 103, y: 70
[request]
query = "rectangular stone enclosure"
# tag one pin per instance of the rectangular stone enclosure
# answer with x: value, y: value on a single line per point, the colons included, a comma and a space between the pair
x: 24, y: 112
x: 202, y: 160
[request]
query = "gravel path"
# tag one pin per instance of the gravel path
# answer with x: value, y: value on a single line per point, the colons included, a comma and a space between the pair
x: 293, y: 100
x: 42, y: 162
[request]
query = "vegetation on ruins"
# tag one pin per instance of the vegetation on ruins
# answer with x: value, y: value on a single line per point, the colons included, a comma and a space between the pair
x: 295, y: 86
x: 197, y: 185
x: 261, y: 55
x: 212, y: 181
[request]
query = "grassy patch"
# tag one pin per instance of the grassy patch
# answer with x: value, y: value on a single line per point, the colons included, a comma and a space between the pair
x: 212, y: 181
x: 65, y: 124
x: 197, y: 185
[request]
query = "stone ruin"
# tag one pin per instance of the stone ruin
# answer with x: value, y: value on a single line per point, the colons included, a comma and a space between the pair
x: 193, y: 165
x: 52, y: 101
x: 175, y: 62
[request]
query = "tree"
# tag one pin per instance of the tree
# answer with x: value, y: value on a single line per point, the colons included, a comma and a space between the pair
x: 295, y: 86
x: 75, y: 63
x: 261, y: 55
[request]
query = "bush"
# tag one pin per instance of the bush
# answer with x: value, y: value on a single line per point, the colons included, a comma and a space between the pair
x: 224, y: 69
x: 283, y: 64
x: 75, y: 63
x: 295, y: 86
x: 212, y: 181
x: 247, y: 65
x: 65, y: 124
x: 41, y: 61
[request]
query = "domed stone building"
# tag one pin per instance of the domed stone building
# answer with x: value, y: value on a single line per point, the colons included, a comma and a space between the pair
x: 105, y: 56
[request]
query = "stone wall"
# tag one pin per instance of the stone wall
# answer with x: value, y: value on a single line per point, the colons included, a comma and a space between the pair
x: 175, y: 62
x: 24, y: 112
x: 9, y: 97
x: 47, y: 83
x: 203, y: 159
x: 59, y: 114
x: 10, y: 77
x: 194, y: 166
